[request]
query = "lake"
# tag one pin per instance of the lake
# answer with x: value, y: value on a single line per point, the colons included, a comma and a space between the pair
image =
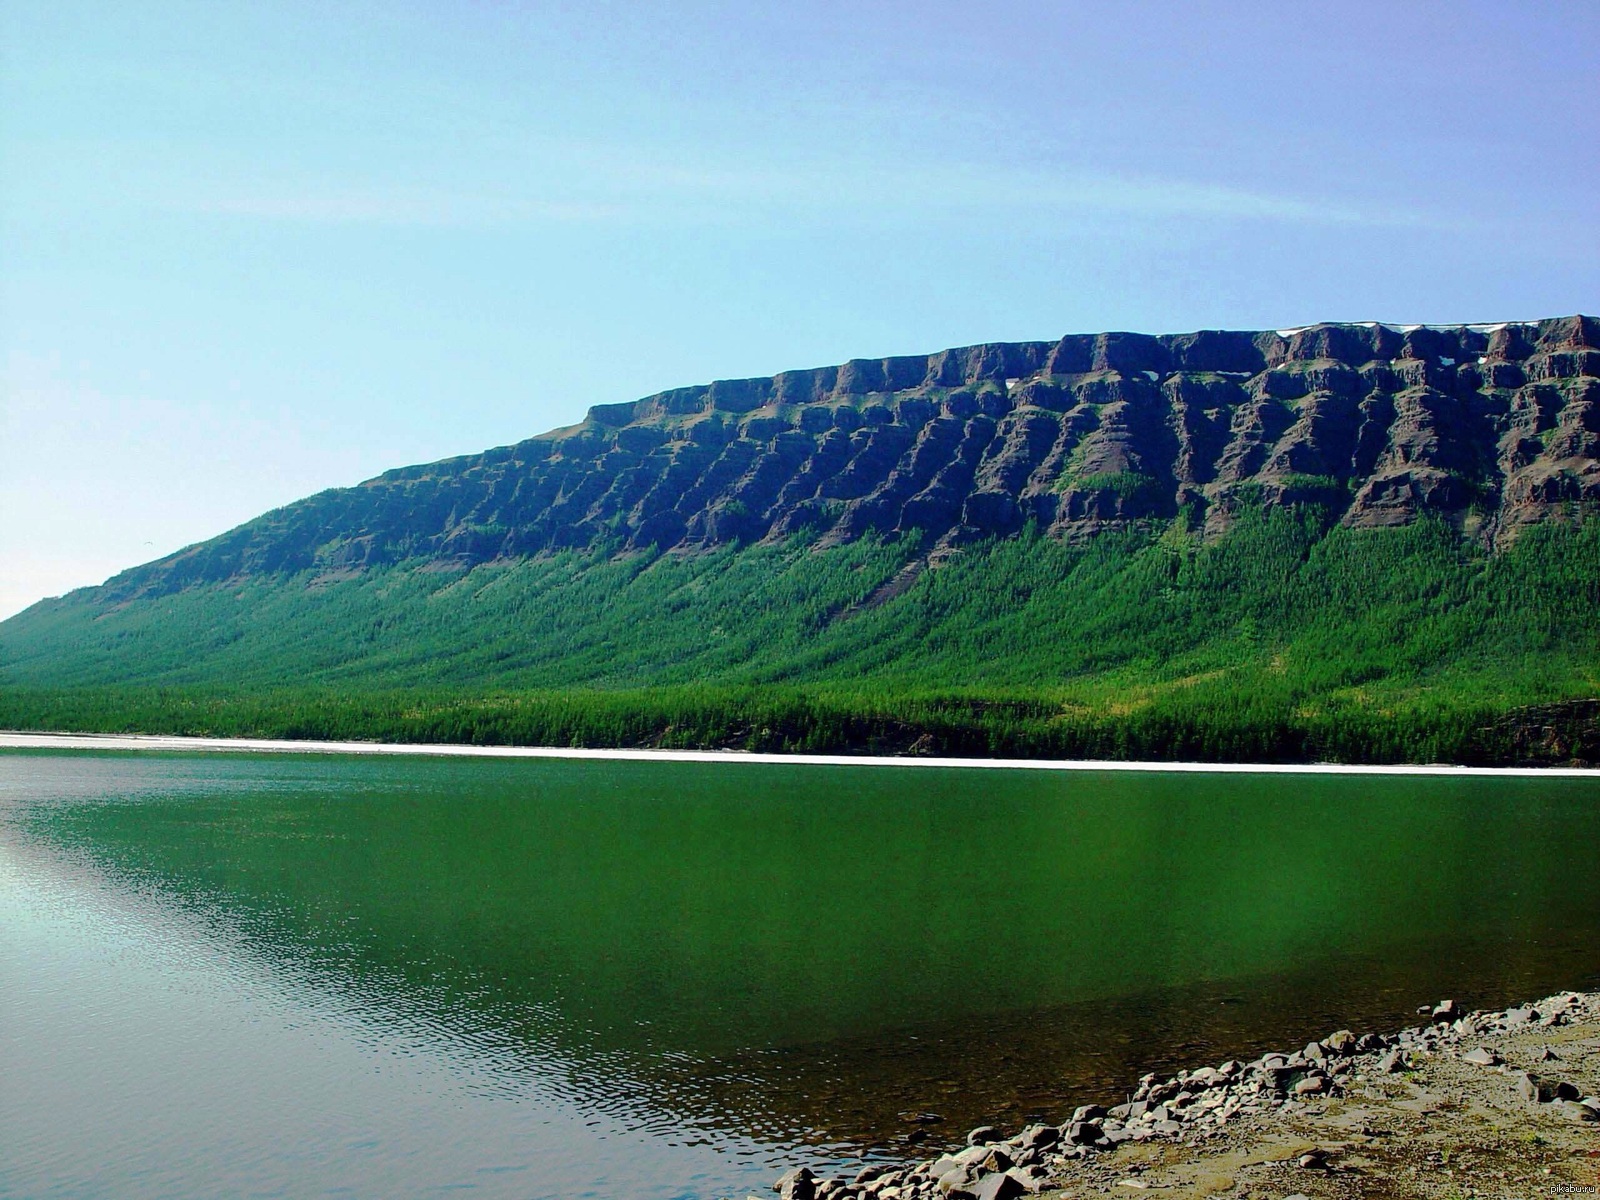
x: 303, y: 975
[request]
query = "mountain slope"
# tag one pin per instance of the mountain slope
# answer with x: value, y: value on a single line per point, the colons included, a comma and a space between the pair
x: 1491, y: 428
x: 1398, y: 563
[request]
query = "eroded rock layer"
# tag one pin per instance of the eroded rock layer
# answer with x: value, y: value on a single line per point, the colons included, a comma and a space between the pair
x: 1490, y: 427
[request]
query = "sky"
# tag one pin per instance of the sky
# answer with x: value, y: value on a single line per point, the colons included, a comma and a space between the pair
x: 249, y: 251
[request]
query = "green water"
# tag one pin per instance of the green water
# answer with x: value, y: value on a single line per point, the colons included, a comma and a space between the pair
x: 755, y: 959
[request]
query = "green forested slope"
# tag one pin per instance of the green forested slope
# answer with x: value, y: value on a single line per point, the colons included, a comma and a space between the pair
x: 1281, y: 640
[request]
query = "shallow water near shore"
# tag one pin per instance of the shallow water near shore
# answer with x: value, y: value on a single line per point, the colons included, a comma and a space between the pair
x: 285, y: 975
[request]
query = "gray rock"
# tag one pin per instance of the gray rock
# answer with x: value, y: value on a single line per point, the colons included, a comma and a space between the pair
x: 1032, y: 1180
x: 798, y: 1184
x: 1000, y: 1185
x: 1521, y: 1016
x: 1533, y: 1089
x: 877, y: 1170
x: 1311, y: 1085
x: 1482, y: 1057
x: 996, y: 1160
x: 1340, y: 1042
x: 1394, y: 1062
x: 1168, y: 1128
x: 1279, y: 1078
x: 1445, y: 1010
x: 954, y: 1181
x: 1088, y: 1112
x: 1313, y: 1052
x: 1085, y: 1133
x: 1039, y: 1137
x: 983, y: 1135
x: 1574, y: 1111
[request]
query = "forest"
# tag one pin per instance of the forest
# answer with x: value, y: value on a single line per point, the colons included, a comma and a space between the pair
x: 1289, y: 639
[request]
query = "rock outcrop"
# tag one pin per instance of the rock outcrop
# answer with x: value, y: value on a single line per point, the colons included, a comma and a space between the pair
x: 1489, y: 427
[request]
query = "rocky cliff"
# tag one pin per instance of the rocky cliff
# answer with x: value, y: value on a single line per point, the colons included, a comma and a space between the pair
x: 1490, y: 427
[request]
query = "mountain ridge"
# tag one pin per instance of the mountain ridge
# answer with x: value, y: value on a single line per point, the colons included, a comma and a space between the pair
x: 1491, y: 428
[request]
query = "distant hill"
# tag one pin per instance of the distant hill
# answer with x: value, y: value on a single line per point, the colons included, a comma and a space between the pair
x: 1343, y: 540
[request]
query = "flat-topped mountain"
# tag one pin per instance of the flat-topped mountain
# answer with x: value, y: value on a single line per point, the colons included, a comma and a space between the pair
x: 1354, y: 542
x: 1489, y: 427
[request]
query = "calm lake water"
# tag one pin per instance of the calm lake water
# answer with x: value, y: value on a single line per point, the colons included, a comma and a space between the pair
x: 270, y: 975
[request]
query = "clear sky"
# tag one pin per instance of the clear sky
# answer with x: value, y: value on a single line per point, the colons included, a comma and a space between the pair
x: 252, y: 250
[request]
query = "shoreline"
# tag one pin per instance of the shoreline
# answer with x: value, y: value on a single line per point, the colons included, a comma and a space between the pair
x: 1502, y: 1103
x: 29, y: 740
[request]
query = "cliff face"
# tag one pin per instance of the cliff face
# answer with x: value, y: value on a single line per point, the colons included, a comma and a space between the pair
x: 1491, y: 427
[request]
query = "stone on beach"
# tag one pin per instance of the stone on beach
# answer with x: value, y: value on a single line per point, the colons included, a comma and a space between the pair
x: 998, y: 1186
x: 798, y: 1184
x: 1195, y: 1105
x: 1340, y: 1042
x: 1533, y: 1089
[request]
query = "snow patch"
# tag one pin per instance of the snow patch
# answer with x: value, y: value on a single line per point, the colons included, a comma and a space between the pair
x: 1150, y: 375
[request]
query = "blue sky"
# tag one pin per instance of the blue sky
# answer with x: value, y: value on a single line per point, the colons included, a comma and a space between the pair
x: 249, y: 251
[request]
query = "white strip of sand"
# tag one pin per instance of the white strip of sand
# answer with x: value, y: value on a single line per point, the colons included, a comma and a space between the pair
x: 98, y: 741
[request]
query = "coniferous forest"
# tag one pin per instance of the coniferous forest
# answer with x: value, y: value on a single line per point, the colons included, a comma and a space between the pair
x: 1290, y: 638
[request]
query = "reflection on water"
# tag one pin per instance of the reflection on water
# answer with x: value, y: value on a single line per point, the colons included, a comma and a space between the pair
x: 759, y: 958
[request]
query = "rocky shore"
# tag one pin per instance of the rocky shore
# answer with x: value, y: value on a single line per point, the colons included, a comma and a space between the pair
x: 1463, y: 1104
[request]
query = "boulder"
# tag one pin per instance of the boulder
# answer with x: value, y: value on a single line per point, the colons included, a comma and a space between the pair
x: 798, y: 1184
x: 1533, y: 1089
x: 1000, y: 1185
x: 1039, y: 1137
